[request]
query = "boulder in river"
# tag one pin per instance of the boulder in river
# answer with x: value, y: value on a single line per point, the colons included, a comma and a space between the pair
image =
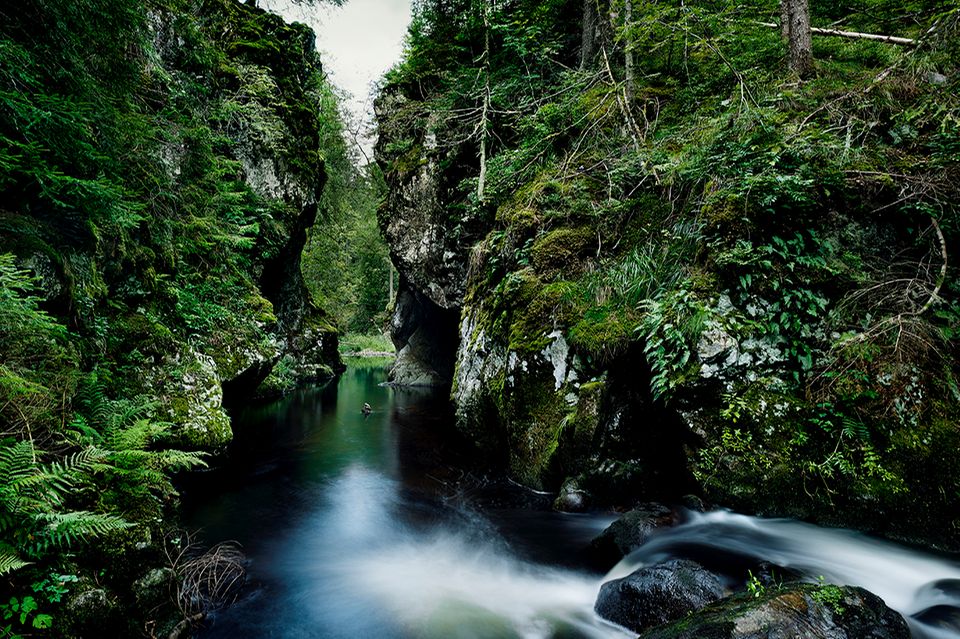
x: 658, y: 594
x: 810, y: 611
x: 629, y: 532
x: 572, y: 498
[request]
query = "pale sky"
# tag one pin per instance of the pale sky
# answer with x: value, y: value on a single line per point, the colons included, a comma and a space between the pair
x: 358, y: 41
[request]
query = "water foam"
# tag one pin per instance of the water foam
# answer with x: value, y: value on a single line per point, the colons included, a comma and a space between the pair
x: 909, y: 581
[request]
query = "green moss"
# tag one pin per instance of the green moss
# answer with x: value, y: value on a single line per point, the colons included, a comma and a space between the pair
x: 520, y: 217
x: 536, y: 416
x: 198, y: 426
x: 535, y: 311
x: 562, y: 252
x: 604, y: 332
x: 727, y: 213
x: 578, y: 434
x: 143, y: 333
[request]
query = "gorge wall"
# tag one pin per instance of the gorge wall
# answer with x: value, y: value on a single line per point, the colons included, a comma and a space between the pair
x: 164, y: 174
x: 681, y: 274
x: 161, y: 165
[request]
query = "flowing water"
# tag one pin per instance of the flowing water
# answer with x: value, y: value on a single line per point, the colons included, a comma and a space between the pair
x: 923, y: 587
x: 373, y: 527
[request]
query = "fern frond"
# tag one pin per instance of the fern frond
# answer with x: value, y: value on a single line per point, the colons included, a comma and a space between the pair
x: 856, y: 429
x: 65, y: 529
x: 130, y: 459
x: 128, y: 414
x: 177, y: 460
x: 80, y: 432
x: 17, y: 461
x: 92, y: 399
x: 78, y: 462
x: 8, y: 521
x: 137, y: 436
x: 10, y: 561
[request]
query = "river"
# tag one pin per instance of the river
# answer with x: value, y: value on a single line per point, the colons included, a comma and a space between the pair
x: 379, y: 526
x: 360, y: 526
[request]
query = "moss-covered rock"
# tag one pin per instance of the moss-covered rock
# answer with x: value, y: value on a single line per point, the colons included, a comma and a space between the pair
x: 562, y: 252
x: 807, y: 610
x: 728, y: 271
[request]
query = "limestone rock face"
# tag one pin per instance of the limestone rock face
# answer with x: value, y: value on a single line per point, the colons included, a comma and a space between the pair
x: 282, y: 324
x: 415, y: 221
x: 425, y: 336
x: 431, y: 259
x: 197, y: 303
x: 483, y: 306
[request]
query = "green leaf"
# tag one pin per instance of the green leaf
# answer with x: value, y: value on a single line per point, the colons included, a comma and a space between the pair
x: 29, y: 605
x: 42, y: 621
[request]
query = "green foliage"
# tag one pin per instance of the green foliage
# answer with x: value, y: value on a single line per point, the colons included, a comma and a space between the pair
x: 345, y: 264
x: 829, y: 595
x: 735, y: 447
x: 104, y: 446
x: 671, y: 326
x: 353, y: 343
x: 134, y: 154
x: 35, y: 373
x: 134, y: 478
x: 32, y: 496
x: 754, y: 586
x: 22, y: 613
x: 140, y: 143
x: 36, y: 611
x: 54, y: 586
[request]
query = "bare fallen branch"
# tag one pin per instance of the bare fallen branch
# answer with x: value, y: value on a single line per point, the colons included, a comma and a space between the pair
x: 856, y: 35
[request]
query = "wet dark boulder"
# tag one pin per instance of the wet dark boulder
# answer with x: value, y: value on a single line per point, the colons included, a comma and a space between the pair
x: 657, y: 595
x: 796, y: 610
x: 572, y: 498
x: 630, y: 532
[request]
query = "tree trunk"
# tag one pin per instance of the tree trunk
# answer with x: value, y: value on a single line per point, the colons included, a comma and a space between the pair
x: 795, y: 26
x: 484, y: 115
x: 588, y: 44
x: 628, y: 73
x: 390, y: 296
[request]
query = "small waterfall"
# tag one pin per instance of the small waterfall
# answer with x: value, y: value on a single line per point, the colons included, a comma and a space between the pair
x: 922, y: 587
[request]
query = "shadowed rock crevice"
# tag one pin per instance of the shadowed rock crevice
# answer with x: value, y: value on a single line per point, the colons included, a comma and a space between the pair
x: 426, y: 337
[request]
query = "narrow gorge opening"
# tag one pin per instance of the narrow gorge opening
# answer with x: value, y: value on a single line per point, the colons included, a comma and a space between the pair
x: 426, y: 337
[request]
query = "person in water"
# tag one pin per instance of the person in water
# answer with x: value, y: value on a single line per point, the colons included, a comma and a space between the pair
x: 367, y: 409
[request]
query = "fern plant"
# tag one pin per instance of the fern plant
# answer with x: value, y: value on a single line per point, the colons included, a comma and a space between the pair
x: 34, y: 519
x: 135, y: 468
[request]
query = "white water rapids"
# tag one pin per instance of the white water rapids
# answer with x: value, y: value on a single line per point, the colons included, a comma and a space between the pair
x: 922, y: 587
x: 433, y: 583
x: 460, y: 579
